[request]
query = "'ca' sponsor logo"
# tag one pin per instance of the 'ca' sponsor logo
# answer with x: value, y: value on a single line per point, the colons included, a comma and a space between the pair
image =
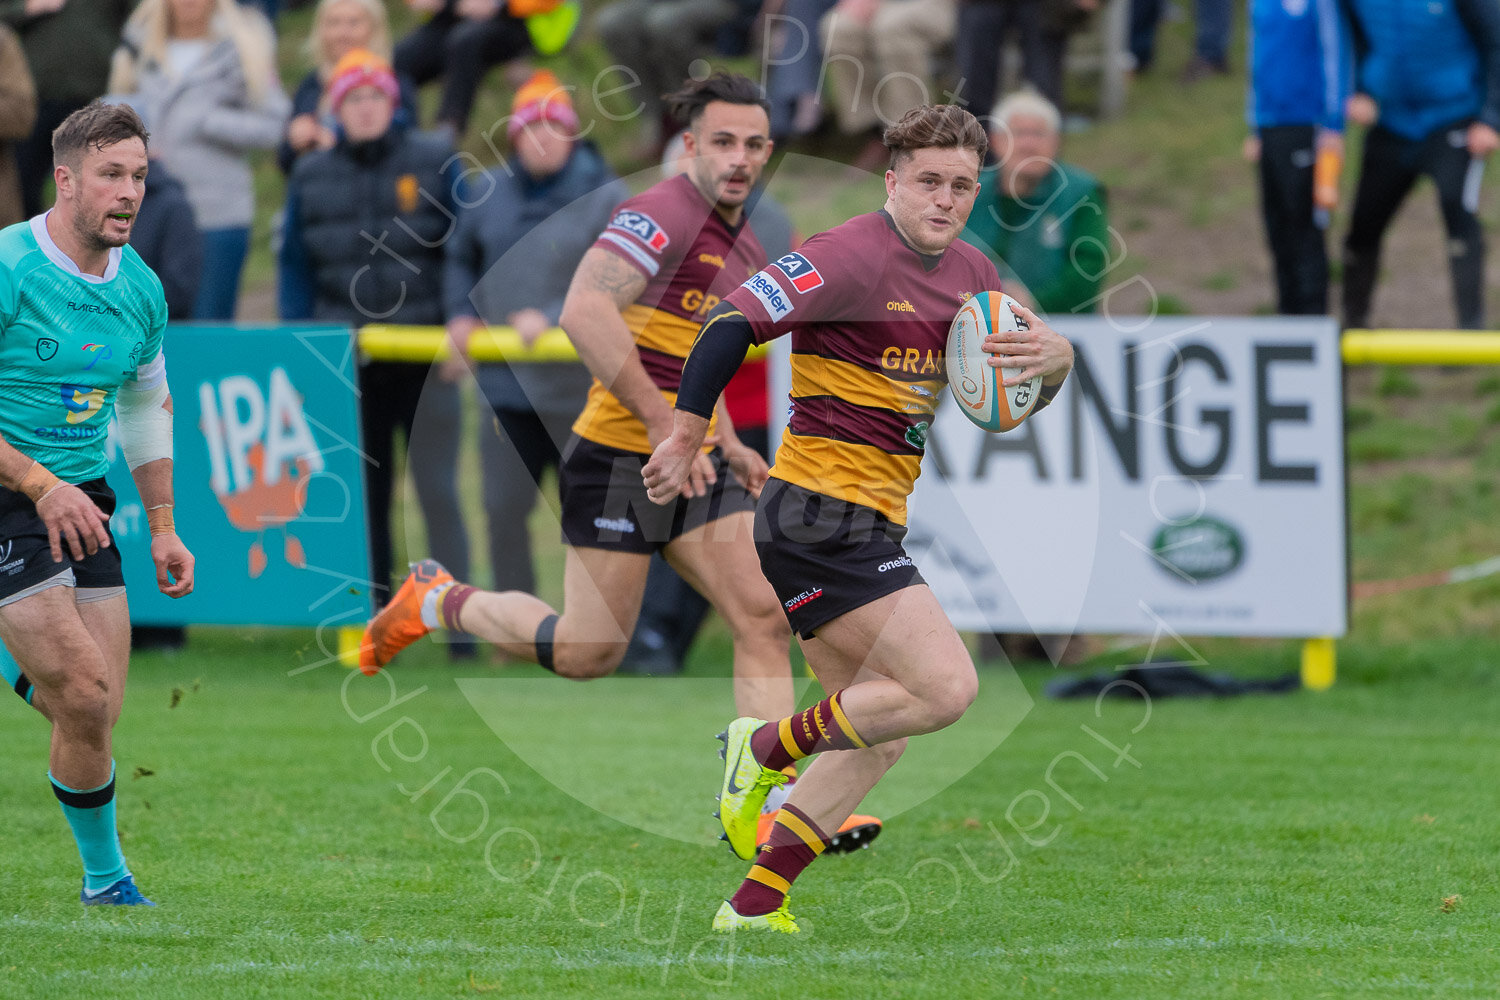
x: 46, y: 348
x: 1204, y: 548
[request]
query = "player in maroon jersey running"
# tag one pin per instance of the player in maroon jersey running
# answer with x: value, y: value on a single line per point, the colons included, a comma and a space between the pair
x: 868, y: 305
x: 635, y: 303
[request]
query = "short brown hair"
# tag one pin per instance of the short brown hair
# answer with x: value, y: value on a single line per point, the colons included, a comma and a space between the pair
x: 687, y: 103
x: 935, y: 126
x: 93, y: 127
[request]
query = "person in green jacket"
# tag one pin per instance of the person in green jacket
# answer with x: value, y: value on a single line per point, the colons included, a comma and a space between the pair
x: 1044, y: 222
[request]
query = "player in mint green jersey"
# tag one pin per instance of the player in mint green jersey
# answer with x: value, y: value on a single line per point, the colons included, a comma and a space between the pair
x: 81, y: 322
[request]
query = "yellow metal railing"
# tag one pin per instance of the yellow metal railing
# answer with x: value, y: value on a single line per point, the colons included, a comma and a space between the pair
x: 1358, y: 347
x: 489, y: 343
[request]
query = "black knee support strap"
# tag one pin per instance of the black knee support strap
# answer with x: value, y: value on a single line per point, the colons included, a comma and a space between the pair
x: 544, y: 633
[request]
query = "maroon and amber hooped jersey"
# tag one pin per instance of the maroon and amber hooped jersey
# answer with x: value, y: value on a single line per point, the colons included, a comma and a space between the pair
x: 869, y: 320
x: 691, y: 259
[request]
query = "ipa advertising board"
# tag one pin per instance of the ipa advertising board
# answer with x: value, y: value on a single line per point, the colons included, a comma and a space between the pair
x: 269, y: 480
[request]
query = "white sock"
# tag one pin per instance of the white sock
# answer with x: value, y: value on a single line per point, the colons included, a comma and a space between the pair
x: 430, y: 605
x: 776, y: 797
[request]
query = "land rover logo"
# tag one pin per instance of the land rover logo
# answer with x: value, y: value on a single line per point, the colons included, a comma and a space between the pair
x: 1204, y: 548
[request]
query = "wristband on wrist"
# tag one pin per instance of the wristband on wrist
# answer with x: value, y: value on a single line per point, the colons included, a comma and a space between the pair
x: 37, y: 482
x: 159, y: 519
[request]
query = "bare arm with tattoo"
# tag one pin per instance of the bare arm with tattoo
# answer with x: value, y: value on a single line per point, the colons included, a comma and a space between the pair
x: 602, y: 286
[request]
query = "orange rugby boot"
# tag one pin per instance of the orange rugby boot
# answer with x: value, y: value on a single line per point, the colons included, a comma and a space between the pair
x: 399, y: 623
x: 857, y: 832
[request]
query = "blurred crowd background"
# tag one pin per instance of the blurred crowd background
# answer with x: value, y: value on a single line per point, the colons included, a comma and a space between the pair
x: 447, y: 162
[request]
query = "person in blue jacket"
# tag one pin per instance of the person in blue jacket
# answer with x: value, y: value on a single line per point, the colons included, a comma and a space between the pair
x: 1299, y: 82
x: 1427, y: 76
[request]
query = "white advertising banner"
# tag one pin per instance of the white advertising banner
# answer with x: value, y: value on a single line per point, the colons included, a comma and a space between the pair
x: 1190, y: 477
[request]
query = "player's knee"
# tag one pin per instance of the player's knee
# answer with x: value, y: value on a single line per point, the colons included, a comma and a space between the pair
x: 890, y: 751
x: 759, y: 622
x: 951, y: 697
x: 83, y: 703
x: 584, y: 661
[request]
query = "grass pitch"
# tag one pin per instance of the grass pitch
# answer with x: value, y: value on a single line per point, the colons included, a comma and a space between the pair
x: 446, y: 833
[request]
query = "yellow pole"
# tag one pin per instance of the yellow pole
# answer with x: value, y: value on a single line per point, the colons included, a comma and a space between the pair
x: 349, y: 637
x: 1421, y: 347
x: 1319, y: 663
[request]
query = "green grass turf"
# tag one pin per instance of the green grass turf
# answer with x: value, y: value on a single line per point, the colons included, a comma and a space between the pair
x: 304, y: 843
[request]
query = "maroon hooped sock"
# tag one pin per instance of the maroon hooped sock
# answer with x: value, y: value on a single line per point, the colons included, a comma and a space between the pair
x: 813, y: 730
x: 795, y: 843
x: 452, y: 603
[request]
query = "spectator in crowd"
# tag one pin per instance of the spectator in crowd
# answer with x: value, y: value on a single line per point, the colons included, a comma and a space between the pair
x: 270, y: 8
x: 1042, y: 28
x: 509, y: 262
x: 460, y: 42
x: 339, y: 27
x: 203, y: 72
x: 794, y: 60
x: 1299, y: 81
x: 382, y: 178
x: 17, y: 115
x: 658, y: 39
x: 672, y: 612
x: 1428, y: 85
x: 1214, y: 19
x: 878, y: 55
x: 166, y: 236
x: 1043, y: 221
x: 68, y: 45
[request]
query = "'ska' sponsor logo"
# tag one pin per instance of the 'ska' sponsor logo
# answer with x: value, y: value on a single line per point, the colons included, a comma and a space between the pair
x: 1204, y: 548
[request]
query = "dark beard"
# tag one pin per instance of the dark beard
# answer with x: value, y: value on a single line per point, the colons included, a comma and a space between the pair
x: 94, y: 240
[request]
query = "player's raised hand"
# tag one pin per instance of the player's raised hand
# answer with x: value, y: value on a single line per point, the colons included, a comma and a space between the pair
x: 1036, y: 350
x: 71, y: 517
x: 174, y: 565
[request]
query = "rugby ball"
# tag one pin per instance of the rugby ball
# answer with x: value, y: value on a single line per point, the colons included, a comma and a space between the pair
x: 974, y: 382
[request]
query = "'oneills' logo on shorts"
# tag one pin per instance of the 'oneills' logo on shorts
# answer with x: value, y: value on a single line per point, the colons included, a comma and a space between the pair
x: 623, y: 525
